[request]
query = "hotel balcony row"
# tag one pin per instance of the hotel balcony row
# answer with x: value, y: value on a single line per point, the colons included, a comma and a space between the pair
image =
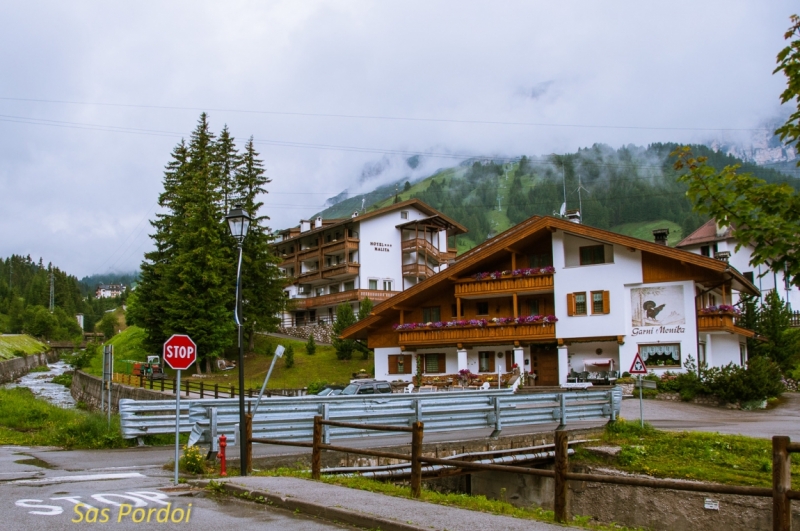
x: 423, y: 246
x: 333, y: 247
x: 334, y: 272
x: 335, y: 299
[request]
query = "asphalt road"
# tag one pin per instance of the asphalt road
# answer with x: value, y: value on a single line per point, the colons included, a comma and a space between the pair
x: 124, y: 497
x: 782, y: 419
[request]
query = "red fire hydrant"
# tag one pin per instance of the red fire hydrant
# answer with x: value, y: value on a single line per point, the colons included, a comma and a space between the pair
x: 222, y: 444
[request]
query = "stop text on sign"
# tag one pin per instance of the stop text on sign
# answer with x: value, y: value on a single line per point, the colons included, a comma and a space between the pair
x: 179, y: 352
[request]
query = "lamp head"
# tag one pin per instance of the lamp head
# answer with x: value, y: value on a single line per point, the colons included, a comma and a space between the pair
x: 238, y: 222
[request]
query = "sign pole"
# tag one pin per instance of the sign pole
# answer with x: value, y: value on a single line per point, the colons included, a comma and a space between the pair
x: 641, y: 403
x: 177, y: 422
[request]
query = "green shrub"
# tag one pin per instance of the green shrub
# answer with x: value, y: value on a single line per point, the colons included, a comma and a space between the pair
x: 311, y: 346
x: 317, y: 386
x: 40, y: 368
x: 759, y: 381
x: 288, y: 357
x: 64, y: 379
x: 82, y: 358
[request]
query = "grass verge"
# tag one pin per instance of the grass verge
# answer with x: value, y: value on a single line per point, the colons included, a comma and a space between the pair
x: 701, y: 456
x: 462, y: 501
x: 14, y: 345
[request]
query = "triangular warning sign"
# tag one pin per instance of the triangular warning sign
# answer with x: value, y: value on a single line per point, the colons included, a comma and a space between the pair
x: 638, y: 367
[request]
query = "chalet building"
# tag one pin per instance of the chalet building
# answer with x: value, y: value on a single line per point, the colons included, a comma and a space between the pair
x: 377, y: 255
x: 718, y: 242
x: 105, y: 291
x: 553, y: 297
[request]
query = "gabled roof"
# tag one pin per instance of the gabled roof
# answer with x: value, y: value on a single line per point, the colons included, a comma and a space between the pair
x: 707, y: 233
x: 454, y: 226
x: 504, y: 241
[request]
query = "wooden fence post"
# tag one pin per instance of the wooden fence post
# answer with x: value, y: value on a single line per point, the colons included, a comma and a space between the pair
x: 175, y: 389
x: 561, y: 440
x: 233, y: 390
x: 316, y: 451
x: 216, y: 390
x: 781, y: 482
x: 248, y: 430
x: 416, y: 465
x: 201, y: 389
x: 162, y: 384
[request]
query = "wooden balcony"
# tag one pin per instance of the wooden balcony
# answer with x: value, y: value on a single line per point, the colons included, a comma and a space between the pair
x: 721, y: 322
x: 308, y: 254
x: 504, y: 285
x: 310, y: 276
x: 449, y: 255
x: 418, y: 270
x: 341, y: 271
x: 487, y: 335
x: 334, y: 299
x: 340, y: 245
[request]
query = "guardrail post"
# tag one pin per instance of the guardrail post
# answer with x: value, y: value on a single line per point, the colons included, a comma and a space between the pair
x: 418, y: 409
x: 416, y: 465
x: 561, y: 440
x: 563, y: 407
x: 781, y: 482
x: 498, y: 424
x: 613, y: 414
x: 316, y: 451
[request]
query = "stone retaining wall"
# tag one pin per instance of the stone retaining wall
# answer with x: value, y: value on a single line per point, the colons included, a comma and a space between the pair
x: 322, y: 333
x: 14, y: 368
x: 86, y: 388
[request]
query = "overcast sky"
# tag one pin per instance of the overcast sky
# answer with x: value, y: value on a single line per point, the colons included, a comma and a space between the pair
x: 94, y: 96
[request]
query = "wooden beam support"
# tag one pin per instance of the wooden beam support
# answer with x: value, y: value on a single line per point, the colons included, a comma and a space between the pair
x: 516, y: 306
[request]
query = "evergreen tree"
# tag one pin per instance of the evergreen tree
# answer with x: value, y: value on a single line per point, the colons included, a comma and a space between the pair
x: 311, y: 345
x: 344, y: 318
x: 774, y: 320
x: 364, y: 309
x: 262, y: 283
x: 288, y: 357
x: 228, y: 163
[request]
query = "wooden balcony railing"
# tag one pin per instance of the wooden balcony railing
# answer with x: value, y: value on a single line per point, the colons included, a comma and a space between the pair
x: 340, y: 246
x: 345, y: 296
x: 308, y: 254
x: 449, y: 255
x: 504, y: 285
x: 310, y: 276
x: 341, y: 270
x: 722, y: 321
x: 489, y: 334
x: 418, y: 270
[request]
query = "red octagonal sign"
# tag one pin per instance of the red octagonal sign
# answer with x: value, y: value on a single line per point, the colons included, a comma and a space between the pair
x: 180, y: 352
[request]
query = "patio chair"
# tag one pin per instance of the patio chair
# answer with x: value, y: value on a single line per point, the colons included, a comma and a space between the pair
x: 612, y: 376
x: 584, y: 376
x: 485, y: 386
x: 603, y: 376
x: 573, y: 375
x: 409, y: 388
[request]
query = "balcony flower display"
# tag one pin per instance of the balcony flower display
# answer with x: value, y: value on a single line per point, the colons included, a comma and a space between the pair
x: 477, y: 323
x: 721, y: 308
x: 524, y: 272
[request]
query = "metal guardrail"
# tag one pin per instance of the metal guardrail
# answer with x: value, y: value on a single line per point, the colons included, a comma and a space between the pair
x: 293, y: 418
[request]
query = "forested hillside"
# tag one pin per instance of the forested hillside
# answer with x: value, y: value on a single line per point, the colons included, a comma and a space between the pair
x: 25, y: 301
x: 624, y: 190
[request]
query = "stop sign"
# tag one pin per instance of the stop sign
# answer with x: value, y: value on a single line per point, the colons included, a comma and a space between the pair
x: 180, y: 352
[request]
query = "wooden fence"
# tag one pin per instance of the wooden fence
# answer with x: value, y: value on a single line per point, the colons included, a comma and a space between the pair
x: 203, y: 389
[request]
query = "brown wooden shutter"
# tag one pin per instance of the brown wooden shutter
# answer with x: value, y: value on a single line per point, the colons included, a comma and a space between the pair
x: 442, y: 366
x: 492, y: 356
x: 509, y: 361
x: 606, y: 303
x: 392, y: 364
x: 570, y: 304
x: 407, y: 364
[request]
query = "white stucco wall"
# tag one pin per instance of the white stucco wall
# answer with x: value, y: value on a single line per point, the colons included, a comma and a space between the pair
x: 722, y: 349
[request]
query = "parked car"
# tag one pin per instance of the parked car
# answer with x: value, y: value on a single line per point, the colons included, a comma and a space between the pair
x: 368, y: 387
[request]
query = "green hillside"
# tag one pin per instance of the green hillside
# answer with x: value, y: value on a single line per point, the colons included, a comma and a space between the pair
x: 13, y: 345
x: 631, y: 190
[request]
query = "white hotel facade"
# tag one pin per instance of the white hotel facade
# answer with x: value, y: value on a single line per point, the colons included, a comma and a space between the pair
x: 376, y: 255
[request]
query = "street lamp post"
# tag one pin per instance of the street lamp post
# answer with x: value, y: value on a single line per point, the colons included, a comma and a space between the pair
x: 239, y: 223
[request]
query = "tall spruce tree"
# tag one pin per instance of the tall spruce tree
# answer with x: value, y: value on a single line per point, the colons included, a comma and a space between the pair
x: 262, y: 283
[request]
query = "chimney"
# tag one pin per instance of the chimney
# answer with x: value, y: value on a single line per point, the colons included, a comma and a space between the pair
x: 573, y: 216
x: 354, y: 214
x: 305, y: 225
x: 723, y: 256
x: 660, y: 236
x: 720, y: 231
x: 318, y: 223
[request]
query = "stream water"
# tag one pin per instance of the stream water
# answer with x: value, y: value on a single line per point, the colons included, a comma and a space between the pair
x: 41, y: 383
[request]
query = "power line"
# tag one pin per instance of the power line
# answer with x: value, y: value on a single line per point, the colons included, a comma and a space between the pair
x: 386, y: 117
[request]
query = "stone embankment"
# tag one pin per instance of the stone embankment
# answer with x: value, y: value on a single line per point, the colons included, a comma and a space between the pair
x: 86, y: 388
x: 14, y: 368
x: 322, y: 333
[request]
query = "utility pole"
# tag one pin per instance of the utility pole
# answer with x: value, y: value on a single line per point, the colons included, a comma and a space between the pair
x: 52, y: 291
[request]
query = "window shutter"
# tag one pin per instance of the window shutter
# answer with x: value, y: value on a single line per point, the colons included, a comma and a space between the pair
x: 570, y: 304
x: 407, y: 363
x: 492, y: 357
x: 509, y: 361
x: 606, y: 303
x: 392, y: 364
x: 442, y: 366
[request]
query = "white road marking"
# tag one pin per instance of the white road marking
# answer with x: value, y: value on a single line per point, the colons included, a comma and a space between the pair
x: 104, y: 498
x: 48, y: 510
x: 72, y: 479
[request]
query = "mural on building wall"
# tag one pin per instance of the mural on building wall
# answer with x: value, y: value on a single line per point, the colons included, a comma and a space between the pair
x: 660, y: 306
